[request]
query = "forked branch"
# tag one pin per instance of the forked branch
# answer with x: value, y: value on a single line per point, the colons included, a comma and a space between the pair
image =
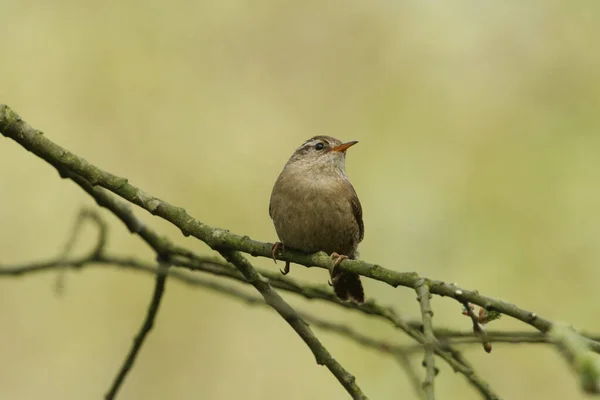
x: 99, y: 183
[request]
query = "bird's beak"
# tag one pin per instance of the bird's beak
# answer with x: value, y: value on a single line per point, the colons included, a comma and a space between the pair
x: 344, y: 146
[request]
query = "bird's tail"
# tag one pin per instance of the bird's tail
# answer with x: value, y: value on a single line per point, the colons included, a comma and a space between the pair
x: 347, y: 286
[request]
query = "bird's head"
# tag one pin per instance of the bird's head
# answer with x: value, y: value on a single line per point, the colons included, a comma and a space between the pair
x: 321, y: 153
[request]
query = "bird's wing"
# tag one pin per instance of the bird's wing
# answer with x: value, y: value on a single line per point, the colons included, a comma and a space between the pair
x: 357, y: 211
x: 271, y: 199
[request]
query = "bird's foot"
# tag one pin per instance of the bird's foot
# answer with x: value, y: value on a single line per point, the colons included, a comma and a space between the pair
x: 275, y: 248
x: 338, y: 259
x: 335, y: 259
x: 346, y: 285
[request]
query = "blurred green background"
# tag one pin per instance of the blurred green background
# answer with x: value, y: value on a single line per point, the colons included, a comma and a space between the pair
x: 477, y: 164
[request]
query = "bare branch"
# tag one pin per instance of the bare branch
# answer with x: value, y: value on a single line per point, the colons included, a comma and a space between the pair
x: 216, y: 267
x: 145, y: 329
x: 401, y: 352
x: 88, y: 176
x: 477, y: 327
x: 165, y: 250
x: 92, y: 180
x: 196, y: 281
x: 272, y: 298
x: 427, y: 316
x: 12, y: 126
x: 404, y: 360
x: 83, y: 215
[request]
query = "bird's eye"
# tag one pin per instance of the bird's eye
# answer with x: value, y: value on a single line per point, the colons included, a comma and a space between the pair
x: 319, y: 146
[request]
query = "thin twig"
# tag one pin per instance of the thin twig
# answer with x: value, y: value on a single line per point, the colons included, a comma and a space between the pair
x: 404, y: 360
x: 401, y: 352
x: 427, y: 316
x: 195, y: 280
x: 272, y: 298
x: 131, y: 263
x: 468, y: 337
x: 320, y: 292
x: 397, y: 351
x: 138, y: 341
x: 478, y: 329
x: 84, y: 214
x: 453, y: 358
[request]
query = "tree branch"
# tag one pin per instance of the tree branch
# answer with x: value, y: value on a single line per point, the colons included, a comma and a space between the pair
x: 162, y: 247
x: 166, y: 250
x: 478, y: 328
x: 12, y: 126
x: 272, y: 298
x: 159, y: 287
x: 88, y: 176
x: 404, y: 361
x: 576, y: 352
x: 195, y: 281
x: 93, y: 179
x: 427, y: 316
x: 285, y: 283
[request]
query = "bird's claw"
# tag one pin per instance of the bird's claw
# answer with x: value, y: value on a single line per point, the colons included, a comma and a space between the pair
x: 286, y: 269
x: 275, y: 249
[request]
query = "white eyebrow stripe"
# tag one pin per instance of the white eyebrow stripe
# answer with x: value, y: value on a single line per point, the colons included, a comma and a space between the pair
x: 309, y: 143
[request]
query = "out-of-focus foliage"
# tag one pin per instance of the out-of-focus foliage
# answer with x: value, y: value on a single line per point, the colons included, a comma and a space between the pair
x: 478, y: 163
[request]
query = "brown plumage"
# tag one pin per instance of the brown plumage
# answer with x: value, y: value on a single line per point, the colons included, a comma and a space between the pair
x: 315, y: 208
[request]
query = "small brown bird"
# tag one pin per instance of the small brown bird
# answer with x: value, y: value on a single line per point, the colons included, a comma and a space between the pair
x: 314, y: 207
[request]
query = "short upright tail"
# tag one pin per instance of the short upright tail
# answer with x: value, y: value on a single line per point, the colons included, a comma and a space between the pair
x: 347, y: 286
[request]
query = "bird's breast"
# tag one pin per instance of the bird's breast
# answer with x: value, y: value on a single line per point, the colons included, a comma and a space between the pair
x: 314, y: 215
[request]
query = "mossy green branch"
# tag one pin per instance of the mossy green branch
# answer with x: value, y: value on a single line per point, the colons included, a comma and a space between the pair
x: 577, y: 353
x: 92, y: 179
x: 12, y: 126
